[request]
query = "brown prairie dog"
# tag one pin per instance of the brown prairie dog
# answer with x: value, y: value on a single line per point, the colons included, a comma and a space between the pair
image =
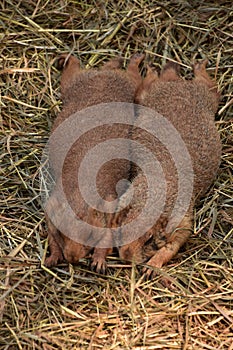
x: 81, y: 89
x: 190, y: 106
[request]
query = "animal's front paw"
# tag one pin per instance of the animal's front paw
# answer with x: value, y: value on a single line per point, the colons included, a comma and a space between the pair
x: 150, y: 272
x: 99, y: 265
x: 153, y: 266
x: 53, y: 260
x: 99, y: 259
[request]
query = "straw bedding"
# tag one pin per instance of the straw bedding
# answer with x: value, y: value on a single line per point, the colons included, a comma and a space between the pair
x: 70, y: 307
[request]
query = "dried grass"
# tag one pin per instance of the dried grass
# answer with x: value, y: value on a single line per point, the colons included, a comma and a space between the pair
x: 71, y: 307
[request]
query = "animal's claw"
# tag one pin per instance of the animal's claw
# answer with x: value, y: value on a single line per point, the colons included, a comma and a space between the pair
x: 99, y: 266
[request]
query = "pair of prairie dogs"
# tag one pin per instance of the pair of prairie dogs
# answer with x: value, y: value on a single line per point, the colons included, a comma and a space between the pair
x: 189, y: 105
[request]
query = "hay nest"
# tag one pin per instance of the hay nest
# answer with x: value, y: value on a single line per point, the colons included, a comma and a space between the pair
x: 72, y: 307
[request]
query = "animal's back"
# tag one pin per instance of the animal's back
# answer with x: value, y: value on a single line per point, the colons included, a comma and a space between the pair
x: 190, y: 107
x: 93, y: 87
x: 80, y: 90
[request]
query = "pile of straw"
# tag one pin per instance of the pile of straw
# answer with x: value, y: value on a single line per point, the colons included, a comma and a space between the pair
x: 70, y: 307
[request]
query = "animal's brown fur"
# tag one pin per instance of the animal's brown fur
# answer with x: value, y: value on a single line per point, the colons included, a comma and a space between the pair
x: 81, y: 89
x: 190, y: 106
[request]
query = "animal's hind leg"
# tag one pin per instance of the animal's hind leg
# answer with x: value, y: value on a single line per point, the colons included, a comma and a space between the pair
x: 133, y: 68
x: 170, y: 71
x: 171, y: 248
x: 70, y: 67
x: 151, y: 77
x: 201, y: 75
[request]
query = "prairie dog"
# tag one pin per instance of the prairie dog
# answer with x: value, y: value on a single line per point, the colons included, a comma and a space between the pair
x: 81, y: 89
x: 190, y: 106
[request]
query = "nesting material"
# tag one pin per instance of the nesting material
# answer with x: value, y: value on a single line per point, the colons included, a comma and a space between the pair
x: 72, y: 307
